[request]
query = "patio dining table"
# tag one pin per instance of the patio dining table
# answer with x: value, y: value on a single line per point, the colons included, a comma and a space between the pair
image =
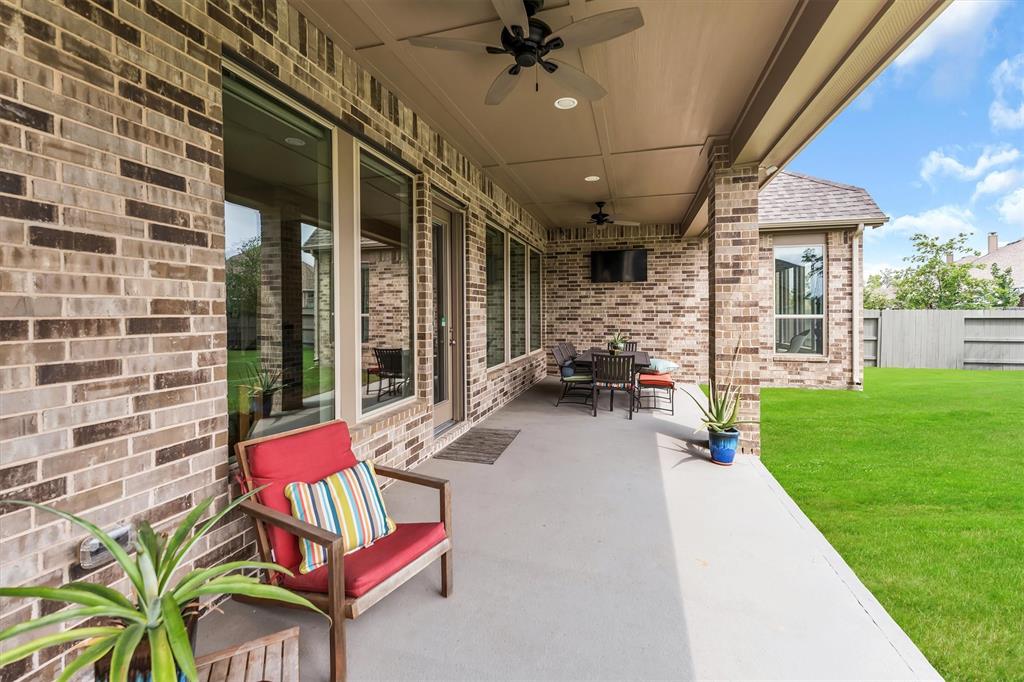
x: 640, y: 358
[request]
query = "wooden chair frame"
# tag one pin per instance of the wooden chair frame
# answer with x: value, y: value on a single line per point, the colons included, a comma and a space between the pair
x: 335, y: 603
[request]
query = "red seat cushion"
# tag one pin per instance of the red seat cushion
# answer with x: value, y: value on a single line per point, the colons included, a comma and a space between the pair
x: 306, y: 456
x: 368, y: 567
x: 656, y: 381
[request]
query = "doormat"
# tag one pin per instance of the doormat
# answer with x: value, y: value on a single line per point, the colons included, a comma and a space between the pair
x: 479, y: 445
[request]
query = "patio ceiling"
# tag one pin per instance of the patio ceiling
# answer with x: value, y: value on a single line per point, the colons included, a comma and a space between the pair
x: 766, y: 76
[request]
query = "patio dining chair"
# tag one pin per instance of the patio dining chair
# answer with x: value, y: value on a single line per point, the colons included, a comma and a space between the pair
x: 613, y: 372
x: 389, y: 370
x: 348, y: 584
x: 569, y: 376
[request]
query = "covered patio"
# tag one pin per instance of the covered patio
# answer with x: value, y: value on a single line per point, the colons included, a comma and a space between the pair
x: 603, y: 548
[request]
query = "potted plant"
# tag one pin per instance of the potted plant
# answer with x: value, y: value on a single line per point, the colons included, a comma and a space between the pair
x: 264, y: 382
x: 616, y: 343
x: 720, y: 416
x: 148, y: 636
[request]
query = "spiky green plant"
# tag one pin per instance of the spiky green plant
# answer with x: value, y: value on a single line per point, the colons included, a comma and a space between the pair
x: 723, y: 408
x: 263, y: 380
x: 618, y: 340
x: 155, y: 608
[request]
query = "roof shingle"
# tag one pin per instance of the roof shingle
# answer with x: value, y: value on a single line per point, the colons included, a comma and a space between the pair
x: 796, y: 198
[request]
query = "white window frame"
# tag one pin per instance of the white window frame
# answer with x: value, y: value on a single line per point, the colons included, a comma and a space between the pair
x: 507, y: 238
x: 505, y: 291
x: 802, y: 241
x: 529, y: 298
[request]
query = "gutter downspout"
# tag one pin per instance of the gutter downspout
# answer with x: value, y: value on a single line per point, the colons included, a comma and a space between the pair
x: 858, y: 311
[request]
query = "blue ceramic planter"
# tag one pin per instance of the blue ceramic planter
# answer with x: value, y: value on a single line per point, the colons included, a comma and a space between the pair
x: 724, y: 445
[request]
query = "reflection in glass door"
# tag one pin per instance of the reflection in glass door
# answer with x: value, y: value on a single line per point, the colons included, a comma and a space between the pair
x: 278, y: 241
x: 443, y: 332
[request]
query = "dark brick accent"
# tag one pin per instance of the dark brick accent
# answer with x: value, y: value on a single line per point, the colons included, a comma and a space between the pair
x: 147, y: 99
x: 74, y: 328
x: 186, y: 449
x: 157, y: 214
x: 154, y: 176
x: 178, y: 306
x: 40, y: 492
x: 26, y: 116
x: 166, y: 16
x: 157, y: 325
x: 174, y: 93
x: 11, y: 183
x: 15, y: 476
x: 39, y: 29
x: 252, y: 24
x: 13, y: 330
x: 204, y: 123
x: 203, y: 156
x: 105, y: 20
x: 23, y: 209
x: 71, y: 241
x: 94, y: 433
x: 188, y: 377
x: 221, y: 17
x: 166, y: 233
x: 76, y: 371
x: 266, y: 63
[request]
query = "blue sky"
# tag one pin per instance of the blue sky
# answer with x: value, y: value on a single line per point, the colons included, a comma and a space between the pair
x: 938, y: 137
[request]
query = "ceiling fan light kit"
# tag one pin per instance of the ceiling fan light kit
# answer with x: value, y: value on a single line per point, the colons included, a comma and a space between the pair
x: 529, y: 40
x: 602, y: 218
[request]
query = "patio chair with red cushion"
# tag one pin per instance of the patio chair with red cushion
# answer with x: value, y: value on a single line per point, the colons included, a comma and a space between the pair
x: 349, y: 583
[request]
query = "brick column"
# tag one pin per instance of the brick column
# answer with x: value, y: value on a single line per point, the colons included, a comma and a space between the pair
x: 733, y: 291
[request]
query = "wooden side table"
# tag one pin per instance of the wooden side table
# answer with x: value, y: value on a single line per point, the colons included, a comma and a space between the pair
x: 274, y: 658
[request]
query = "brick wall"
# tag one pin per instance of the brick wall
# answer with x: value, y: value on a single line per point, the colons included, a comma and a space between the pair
x: 668, y: 314
x: 112, y: 328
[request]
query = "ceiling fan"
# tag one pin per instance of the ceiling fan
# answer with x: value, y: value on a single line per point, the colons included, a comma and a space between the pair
x: 602, y: 218
x: 529, y: 40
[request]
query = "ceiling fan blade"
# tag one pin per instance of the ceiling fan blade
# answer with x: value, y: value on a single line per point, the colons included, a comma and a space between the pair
x: 600, y: 27
x: 626, y: 223
x: 455, y: 44
x: 512, y: 13
x: 502, y: 85
x: 577, y: 81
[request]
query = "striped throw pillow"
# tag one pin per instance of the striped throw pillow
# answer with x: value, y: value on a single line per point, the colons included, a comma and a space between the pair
x: 348, y: 503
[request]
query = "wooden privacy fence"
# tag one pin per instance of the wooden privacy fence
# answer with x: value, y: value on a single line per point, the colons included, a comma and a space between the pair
x: 944, y: 339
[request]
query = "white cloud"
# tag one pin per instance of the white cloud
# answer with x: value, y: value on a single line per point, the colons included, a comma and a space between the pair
x: 962, y: 24
x: 1007, y: 110
x: 947, y: 56
x: 944, y: 221
x: 998, y: 182
x: 876, y: 268
x: 939, y: 163
x: 1011, y: 208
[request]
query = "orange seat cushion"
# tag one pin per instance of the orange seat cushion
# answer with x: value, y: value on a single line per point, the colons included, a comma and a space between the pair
x: 656, y: 381
x: 368, y: 567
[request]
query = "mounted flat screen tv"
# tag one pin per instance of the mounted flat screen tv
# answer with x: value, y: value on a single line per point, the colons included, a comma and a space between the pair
x: 629, y: 265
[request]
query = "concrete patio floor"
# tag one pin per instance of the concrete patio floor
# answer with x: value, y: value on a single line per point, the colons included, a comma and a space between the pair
x: 610, y: 549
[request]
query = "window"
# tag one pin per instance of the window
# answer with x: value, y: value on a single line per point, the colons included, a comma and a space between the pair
x: 495, y: 297
x: 800, y: 299
x: 517, y: 297
x: 278, y: 243
x: 535, y: 293
x: 386, y: 286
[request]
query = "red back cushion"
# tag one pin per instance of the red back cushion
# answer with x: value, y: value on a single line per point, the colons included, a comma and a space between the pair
x: 307, y: 456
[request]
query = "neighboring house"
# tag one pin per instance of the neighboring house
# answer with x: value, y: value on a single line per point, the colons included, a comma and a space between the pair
x: 1006, y: 256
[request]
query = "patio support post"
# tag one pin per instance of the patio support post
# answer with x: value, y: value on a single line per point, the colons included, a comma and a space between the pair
x: 733, y: 286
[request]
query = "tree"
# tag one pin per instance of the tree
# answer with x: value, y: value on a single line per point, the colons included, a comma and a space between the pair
x: 242, y: 274
x: 877, y: 293
x: 930, y: 281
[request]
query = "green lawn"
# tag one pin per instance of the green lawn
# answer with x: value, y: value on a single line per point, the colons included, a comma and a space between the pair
x: 918, y: 481
x: 314, y: 379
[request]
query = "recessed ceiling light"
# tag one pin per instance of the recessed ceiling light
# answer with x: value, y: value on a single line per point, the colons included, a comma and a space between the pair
x: 295, y: 141
x: 565, y: 102
x: 592, y: 178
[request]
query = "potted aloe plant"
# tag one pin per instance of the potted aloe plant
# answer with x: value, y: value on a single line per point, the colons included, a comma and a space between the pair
x: 264, y: 382
x: 146, y: 637
x: 616, y: 343
x: 721, y: 417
